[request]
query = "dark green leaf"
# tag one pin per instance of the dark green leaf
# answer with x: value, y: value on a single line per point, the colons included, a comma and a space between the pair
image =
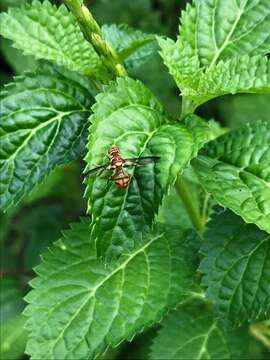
x: 128, y: 115
x: 236, y: 268
x: 44, y: 120
x: 79, y: 306
x: 192, y: 332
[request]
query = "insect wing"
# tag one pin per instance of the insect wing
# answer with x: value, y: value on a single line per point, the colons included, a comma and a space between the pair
x: 140, y: 161
x: 96, y: 171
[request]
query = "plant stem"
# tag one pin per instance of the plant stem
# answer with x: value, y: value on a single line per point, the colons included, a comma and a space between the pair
x: 92, y: 33
x: 193, y: 213
x: 188, y: 107
x: 205, y: 208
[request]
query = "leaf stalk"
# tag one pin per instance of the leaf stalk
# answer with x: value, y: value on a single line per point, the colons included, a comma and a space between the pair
x: 184, y: 193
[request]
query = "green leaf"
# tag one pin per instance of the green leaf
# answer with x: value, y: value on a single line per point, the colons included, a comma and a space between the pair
x: 51, y: 33
x: 134, y: 46
x: 79, y: 306
x: 236, y: 268
x: 235, y: 169
x: 43, y: 124
x: 13, y: 339
x: 129, y: 116
x: 192, y: 332
x: 221, y: 49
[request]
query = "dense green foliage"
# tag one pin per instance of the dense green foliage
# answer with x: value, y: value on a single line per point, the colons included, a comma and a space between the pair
x: 177, y: 264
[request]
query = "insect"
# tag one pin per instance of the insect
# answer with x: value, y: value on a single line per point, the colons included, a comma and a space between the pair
x: 117, y: 163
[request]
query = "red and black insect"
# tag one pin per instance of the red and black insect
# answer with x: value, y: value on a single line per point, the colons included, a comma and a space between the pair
x: 117, y: 164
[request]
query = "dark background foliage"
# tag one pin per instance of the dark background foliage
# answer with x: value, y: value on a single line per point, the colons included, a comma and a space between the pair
x: 28, y: 229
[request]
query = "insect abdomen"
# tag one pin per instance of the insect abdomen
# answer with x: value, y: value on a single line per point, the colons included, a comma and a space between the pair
x: 122, y: 182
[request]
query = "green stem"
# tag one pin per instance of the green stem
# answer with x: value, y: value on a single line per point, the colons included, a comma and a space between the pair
x: 188, y: 107
x: 205, y: 208
x: 193, y: 213
x: 92, y: 33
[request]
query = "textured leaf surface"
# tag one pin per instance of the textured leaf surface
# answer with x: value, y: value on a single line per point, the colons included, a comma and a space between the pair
x: 194, y: 333
x: 79, y: 306
x: 134, y: 46
x: 129, y: 116
x: 235, y: 169
x: 51, y: 33
x: 221, y: 49
x: 43, y: 124
x: 236, y: 268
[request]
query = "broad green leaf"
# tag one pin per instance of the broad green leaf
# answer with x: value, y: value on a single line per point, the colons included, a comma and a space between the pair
x: 50, y: 33
x: 134, y: 46
x: 221, y: 49
x: 13, y: 339
x: 79, y: 306
x: 129, y: 116
x: 192, y: 332
x: 44, y: 118
x: 235, y: 169
x: 236, y: 268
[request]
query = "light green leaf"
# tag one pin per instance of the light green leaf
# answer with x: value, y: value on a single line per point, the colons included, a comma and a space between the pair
x: 44, y: 118
x: 79, y: 306
x: 236, y: 268
x: 13, y: 339
x: 192, y: 332
x: 51, y: 33
x: 235, y: 169
x: 128, y: 115
x: 221, y: 49
x: 134, y: 46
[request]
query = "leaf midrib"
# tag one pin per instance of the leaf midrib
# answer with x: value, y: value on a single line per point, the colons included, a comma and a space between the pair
x: 94, y: 289
x: 33, y: 131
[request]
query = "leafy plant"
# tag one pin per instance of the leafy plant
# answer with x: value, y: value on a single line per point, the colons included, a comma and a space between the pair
x: 162, y: 252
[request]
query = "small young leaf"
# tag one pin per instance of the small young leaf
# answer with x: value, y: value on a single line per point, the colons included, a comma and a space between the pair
x: 44, y: 118
x: 79, y: 306
x: 192, y: 332
x: 235, y: 169
x: 236, y: 268
x: 128, y: 115
x: 221, y: 49
x: 134, y: 46
x: 51, y: 33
